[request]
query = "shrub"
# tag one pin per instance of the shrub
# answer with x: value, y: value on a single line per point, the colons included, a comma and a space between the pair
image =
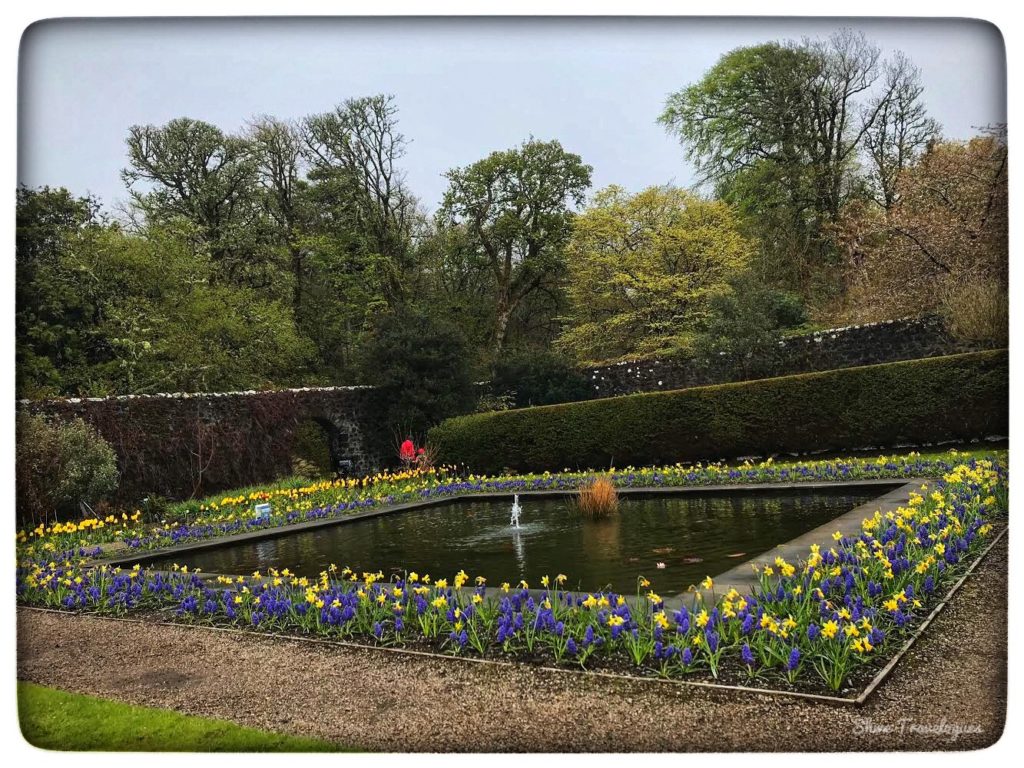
x: 959, y: 397
x: 746, y: 323
x: 539, y: 378
x: 57, y: 465
x: 420, y: 365
x: 978, y: 312
x: 597, y: 499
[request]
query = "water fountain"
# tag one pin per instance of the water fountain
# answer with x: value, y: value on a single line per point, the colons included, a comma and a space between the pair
x: 516, y: 511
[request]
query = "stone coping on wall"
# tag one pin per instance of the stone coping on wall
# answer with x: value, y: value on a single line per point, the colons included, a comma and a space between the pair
x: 198, y: 395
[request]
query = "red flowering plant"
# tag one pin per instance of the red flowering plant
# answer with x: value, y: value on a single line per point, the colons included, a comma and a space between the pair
x: 413, y: 457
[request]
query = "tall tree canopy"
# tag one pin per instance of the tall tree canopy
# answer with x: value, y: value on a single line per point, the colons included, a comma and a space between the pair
x: 189, y: 170
x: 516, y: 207
x: 643, y: 267
x: 780, y: 129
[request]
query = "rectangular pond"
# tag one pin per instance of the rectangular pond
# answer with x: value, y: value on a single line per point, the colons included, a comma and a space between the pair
x: 692, y: 534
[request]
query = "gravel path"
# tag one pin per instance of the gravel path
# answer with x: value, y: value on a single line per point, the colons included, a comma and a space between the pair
x: 954, y: 676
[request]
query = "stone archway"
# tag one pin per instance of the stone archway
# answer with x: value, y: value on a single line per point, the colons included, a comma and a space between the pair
x: 312, y: 453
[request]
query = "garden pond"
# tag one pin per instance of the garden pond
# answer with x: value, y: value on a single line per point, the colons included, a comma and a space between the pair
x: 677, y: 539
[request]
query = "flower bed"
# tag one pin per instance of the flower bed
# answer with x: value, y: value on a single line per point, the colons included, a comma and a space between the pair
x: 824, y: 623
x: 296, y: 503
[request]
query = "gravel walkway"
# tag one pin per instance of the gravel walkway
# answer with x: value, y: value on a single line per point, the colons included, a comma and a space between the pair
x: 954, y: 676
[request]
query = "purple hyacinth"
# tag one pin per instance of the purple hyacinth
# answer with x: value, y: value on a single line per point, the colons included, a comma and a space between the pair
x: 712, y: 640
x: 747, y: 655
x: 794, y: 659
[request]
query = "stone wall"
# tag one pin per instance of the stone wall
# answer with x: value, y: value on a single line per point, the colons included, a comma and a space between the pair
x: 854, y: 345
x: 186, y: 445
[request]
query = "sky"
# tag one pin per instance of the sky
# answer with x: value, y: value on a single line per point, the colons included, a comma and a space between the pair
x: 464, y: 87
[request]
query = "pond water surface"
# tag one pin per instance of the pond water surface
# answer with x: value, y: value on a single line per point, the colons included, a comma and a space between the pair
x: 693, y: 535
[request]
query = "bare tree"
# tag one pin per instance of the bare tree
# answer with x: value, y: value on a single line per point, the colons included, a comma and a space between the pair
x: 898, y: 128
x: 849, y: 66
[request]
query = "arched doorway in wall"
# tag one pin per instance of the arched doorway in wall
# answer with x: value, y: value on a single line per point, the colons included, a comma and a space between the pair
x: 312, y: 449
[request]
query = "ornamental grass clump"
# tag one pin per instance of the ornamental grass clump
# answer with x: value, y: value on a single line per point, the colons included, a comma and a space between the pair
x: 597, y: 499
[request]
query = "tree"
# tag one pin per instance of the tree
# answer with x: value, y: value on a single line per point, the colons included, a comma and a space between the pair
x: 779, y: 129
x: 276, y: 150
x: 515, y: 206
x: 946, y: 233
x: 191, y: 170
x: 421, y: 368
x: 900, y: 130
x: 164, y: 324
x: 51, y: 320
x: 358, y: 145
x: 104, y: 311
x: 642, y: 268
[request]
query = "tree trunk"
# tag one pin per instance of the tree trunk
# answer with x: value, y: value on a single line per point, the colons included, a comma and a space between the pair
x: 505, y: 308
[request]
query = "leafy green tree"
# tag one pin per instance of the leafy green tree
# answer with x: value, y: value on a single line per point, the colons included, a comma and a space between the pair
x: 103, y: 311
x: 421, y: 366
x: 276, y: 150
x: 642, y: 269
x: 780, y: 129
x: 516, y: 208
x: 51, y: 319
x: 744, y: 325
x: 164, y: 324
x: 191, y: 170
x: 59, y: 464
x: 357, y: 148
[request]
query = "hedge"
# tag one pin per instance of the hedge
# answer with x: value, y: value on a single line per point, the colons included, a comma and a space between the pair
x: 919, y: 402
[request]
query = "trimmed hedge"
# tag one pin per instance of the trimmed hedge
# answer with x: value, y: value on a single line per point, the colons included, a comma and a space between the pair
x: 958, y: 397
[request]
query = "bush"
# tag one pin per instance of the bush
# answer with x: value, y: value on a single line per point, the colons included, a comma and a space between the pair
x: 539, y: 378
x: 978, y: 312
x: 420, y: 365
x: 57, y: 465
x: 959, y: 397
x: 746, y: 323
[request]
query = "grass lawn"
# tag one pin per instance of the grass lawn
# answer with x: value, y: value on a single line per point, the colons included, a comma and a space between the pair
x: 53, y: 719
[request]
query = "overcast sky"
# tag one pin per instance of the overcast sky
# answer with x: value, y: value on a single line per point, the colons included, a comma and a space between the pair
x: 464, y: 87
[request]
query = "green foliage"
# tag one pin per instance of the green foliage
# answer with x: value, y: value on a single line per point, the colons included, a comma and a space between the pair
x: 58, y: 720
x: 57, y: 465
x: 959, y: 397
x: 791, y: 132
x: 746, y: 323
x: 538, y: 378
x: 514, y: 207
x: 107, y: 312
x: 642, y: 269
x: 419, y: 363
x: 51, y: 317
